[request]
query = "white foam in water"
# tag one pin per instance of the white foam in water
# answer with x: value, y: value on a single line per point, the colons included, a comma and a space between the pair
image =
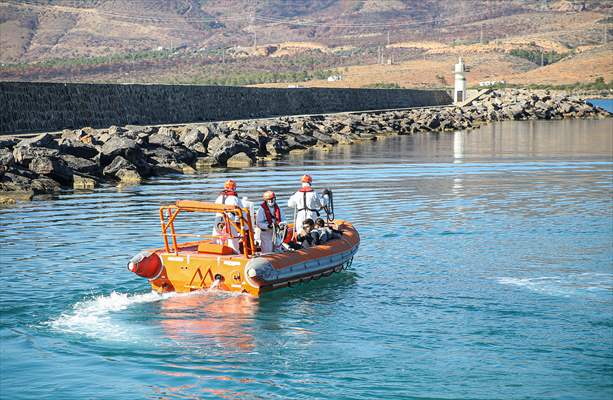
x: 94, y: 317
x: 570, y: 284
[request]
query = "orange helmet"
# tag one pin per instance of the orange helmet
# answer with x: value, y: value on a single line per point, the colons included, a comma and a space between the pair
x: 269, y: 195
x: 306, y: 179
x: 229, y: 184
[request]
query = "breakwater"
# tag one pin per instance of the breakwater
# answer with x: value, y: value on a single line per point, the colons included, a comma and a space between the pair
x: 38, y: 107
x: 84, y: 158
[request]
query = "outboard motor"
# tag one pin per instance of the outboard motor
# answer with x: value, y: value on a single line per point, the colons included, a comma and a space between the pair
x: 326, y: 194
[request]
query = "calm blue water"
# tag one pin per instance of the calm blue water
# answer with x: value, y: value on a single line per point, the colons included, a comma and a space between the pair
x: 485, y: 272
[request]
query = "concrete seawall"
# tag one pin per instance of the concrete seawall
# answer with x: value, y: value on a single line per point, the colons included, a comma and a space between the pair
x: 37, y: 107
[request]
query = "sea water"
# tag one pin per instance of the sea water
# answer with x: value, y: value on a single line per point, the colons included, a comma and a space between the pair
x: 485, y: 271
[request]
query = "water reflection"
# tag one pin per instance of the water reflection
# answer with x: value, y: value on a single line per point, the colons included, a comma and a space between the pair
x: 219, y: 320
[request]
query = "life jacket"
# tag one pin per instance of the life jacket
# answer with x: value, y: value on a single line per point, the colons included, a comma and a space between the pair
x: 227, y: 193
x: 305, y: 190
x: 268, y: 214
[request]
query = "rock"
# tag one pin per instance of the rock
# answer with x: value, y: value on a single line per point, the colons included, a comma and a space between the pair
x: 116, y: 165
x: 191, y: 137
x: 77, y: 148
x: 322, y: 137
x: 52, y: 167
x: 214, y: 144
x: 126, y: 148
x: 6, y: 201
x: 118, y: 146
x: 45, y: 185
x: 277, y: 147
x: 341, y: 139
x: 165, y: 137
x: 25, y: 154
x: 227, y: 148
x: 434, y: 122
x: 188, y: 170
x: 182, y: 154
x: 515, y: 112
x: 82, y: 182
x: 82, y: 165
x: 240, y: 160
x: 42, y: 140
x: 199, y: 148
x: 8, y: 143
x: 6, y: 157
x: 128, y: 177
x: 205, y: 162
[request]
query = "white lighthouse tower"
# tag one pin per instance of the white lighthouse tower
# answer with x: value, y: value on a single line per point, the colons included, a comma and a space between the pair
x: 459, y: 93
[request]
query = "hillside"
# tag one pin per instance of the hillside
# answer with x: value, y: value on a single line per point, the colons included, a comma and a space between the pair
x: 285, y: 42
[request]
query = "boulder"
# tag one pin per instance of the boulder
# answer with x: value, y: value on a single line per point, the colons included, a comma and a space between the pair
x: 227, y: 148
x: 205, y: 162
x: 305, y: 140
x: 294, y: 144
x: 191, y: 137
x: 6, y: 201
x: 77, y: 148
x: 6, y: 157
x: 117, y: 164
x: 82, y: 165
x: 53, y: 167
x: 25, y: 154
x: 43, y: 140
x: 45, y: 185
x: 126, y: 148
x: 82, y: 182
x: 182, y: 154
x: 165, y: 137
x: 128, y: 177
x: 240, y: 160
x: 188, y: 170
x: 322, y: 137
x: 12, y: 181
x: 277, y: 147
x: 119, y: 146
x: 199, y: 148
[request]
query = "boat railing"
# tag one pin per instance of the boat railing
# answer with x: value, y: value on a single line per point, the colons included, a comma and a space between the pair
x: 232, y: 216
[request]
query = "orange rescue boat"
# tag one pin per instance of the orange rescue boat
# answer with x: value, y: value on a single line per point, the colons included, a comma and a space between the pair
x: 209, y: 262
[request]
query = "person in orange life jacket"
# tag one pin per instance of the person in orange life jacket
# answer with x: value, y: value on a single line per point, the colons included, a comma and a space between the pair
x: 268, y: 219
x: 228, y: 197
x: 308, y: 236
x: 306, y: 201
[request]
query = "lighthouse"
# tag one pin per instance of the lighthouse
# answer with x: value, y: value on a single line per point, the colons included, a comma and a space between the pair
x: 459, y: 93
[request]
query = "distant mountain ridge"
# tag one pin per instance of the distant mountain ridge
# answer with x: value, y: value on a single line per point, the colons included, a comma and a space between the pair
x: 35, y: 30
x: 410, y: 43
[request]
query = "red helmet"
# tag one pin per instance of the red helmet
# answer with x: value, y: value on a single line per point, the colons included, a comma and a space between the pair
x: 229, y: 184
x: 306, y: 179
x: 269, y: 195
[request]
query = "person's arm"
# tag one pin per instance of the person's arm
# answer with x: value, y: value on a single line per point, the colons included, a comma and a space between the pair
x: 260, y: 219
x: 291, y: 203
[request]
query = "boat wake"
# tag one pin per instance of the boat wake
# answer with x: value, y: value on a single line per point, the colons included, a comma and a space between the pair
x: 571, y: 284
x: 100, y: 318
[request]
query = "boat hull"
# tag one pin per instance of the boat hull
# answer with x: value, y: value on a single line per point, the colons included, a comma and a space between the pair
x: 187, y: 269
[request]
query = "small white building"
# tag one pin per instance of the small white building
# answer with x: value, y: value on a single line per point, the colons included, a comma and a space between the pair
x: 459, y: 92
x: 334, y: 78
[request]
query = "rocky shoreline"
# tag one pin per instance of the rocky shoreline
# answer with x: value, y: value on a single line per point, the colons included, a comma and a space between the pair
x: 85, y: 158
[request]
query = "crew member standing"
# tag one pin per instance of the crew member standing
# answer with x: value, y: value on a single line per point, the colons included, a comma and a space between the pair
x: 228, y: 197
x: 306, y: 202
x: 268, y: 218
